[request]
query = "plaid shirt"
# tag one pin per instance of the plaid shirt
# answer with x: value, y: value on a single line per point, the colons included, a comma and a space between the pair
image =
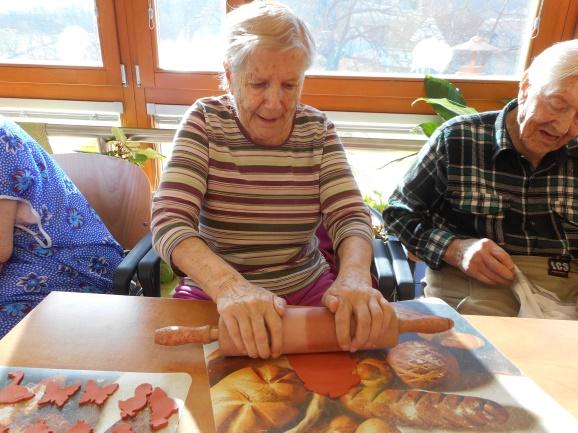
x: 469, y: 182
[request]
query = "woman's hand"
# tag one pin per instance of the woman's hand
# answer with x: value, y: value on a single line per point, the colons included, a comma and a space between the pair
x: 252, y: 316
x: 352, y: 299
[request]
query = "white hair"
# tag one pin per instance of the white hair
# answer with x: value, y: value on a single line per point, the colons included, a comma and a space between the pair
x: 264, y: 24
x: 554, y: 64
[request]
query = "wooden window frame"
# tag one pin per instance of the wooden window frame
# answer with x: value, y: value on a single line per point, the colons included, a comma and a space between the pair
x: 71, y: 82
x: 126, y: 38
x: 347, y: 93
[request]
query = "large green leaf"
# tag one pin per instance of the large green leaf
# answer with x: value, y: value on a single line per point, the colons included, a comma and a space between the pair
x: 438, y: 88
x: 445, y: 108
x: 428, y: 128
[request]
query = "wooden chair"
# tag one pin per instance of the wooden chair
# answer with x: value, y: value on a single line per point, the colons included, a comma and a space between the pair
x: 121, y: 195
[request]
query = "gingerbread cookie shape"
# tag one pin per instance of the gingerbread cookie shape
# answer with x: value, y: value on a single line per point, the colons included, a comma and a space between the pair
x: 80, y: 427
x: 97, y: 394
x: 122, y: 428
x: 56, y: 395
x: 130, y: 407
x: 162, y: 407
x: 14, y: 392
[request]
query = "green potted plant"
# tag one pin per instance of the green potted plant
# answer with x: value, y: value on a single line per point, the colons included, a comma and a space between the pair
x: 132, y: 151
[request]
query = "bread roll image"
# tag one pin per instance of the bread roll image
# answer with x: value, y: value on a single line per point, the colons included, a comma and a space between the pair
x: 374, y: 371
x: 421, y: 365
x: 312, y: 417
x: 341, y: 424
x: 376, y: 425
x: 358, y: 400
x: 256, y: 399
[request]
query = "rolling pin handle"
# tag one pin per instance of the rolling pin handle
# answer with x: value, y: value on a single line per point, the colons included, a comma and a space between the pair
x: 178, y: 335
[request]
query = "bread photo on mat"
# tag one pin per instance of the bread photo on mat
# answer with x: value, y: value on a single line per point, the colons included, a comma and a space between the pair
x: 421, y: 365
x: 455, y: 340
x: 262, y: 398
x: 426, y: 409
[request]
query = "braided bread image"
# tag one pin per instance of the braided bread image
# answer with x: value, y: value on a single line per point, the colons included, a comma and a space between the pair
x: 426, y: 409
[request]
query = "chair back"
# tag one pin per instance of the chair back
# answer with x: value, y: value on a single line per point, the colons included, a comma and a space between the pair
x: 118, y: 191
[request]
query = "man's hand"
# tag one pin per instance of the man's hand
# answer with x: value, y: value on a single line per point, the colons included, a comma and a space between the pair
x: 481, y: 259
x: 252, y: 316
x: 351, y: 297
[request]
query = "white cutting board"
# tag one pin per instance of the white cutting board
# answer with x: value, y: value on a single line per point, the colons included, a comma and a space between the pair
x: 18, y: 416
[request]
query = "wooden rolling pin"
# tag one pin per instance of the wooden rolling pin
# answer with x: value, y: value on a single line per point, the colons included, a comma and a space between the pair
x: 305, y: 330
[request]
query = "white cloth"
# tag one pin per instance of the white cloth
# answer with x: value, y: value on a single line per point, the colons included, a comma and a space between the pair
x: 537, y: 302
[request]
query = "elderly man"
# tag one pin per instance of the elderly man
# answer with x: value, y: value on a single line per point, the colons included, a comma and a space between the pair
x: 498, y: 189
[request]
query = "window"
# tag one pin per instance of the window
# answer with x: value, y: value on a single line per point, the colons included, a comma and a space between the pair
x: 188, y: 34
x: 58, y: 32
x: 371, y: 53
x: 414, y: 37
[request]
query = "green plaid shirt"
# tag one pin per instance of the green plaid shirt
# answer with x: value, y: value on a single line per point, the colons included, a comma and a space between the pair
x: 468, y: 181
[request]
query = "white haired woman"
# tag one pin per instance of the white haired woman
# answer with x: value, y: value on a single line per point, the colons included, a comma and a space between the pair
x: 253, y: 174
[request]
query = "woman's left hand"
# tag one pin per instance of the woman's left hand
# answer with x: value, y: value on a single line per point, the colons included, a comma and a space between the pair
x: 352, y: 299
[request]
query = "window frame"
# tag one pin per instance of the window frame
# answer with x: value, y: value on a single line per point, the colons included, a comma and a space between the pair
x: 126, y: 39
x: 71, y: 82
x: 353, y: 93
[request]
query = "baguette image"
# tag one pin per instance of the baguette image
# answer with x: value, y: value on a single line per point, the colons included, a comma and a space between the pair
x: 426, y: 409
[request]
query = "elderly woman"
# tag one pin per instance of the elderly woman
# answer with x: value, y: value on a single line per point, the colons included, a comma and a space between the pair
x: 252, y: 176
x: 50, y: 238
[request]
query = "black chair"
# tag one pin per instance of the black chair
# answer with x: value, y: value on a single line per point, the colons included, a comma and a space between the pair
x: 404, y: 270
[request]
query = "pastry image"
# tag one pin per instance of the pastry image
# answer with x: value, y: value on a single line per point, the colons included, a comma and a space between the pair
x: 376, y: 425
x: 374, y: 371
x: 257, y: 399
x: 421, y: 365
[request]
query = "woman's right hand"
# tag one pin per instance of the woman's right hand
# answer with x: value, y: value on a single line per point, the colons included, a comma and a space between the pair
x: 252, y: 316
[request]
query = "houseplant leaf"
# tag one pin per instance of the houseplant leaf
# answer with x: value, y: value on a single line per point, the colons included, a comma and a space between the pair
x: 439, y: 88
x: 428, y: 128
x: 445, y: 108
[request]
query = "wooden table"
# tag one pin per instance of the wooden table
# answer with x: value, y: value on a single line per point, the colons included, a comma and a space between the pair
x: 107, y: 332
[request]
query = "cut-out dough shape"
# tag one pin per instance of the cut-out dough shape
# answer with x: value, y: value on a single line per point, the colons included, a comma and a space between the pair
x: 122, y: 428
x: 13, y: 392
x: 80, y: 427
x: 56, y: 395
x: 330, y: 374
x: 96, y: 394
x: 162, y: 407
x: 39, y: 427
x: 129, y: 407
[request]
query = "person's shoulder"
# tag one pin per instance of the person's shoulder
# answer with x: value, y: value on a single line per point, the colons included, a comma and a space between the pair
x: 218, y: 106
x: 307, y: 113
x: 474, y: 120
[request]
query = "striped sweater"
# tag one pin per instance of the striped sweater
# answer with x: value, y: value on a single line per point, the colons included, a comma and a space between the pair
x: 258, y: 207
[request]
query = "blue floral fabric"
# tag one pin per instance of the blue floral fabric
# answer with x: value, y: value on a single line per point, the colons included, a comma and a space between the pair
x: 60, y: 243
